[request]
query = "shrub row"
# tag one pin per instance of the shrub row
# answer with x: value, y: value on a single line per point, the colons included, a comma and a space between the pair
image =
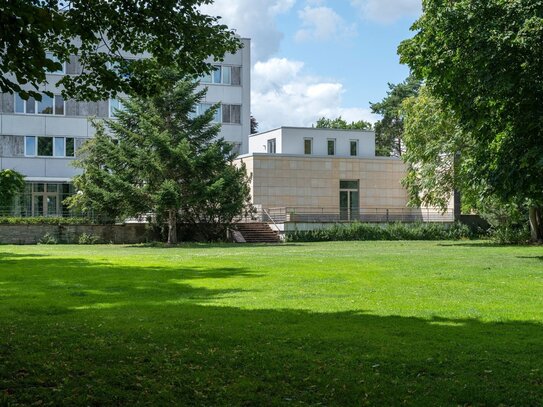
x: 43, y: 221
x: 391, y: 231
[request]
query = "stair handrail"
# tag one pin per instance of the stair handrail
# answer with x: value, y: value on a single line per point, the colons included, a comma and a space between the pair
x: 269, y: 217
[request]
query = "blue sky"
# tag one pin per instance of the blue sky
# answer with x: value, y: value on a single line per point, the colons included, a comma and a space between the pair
x: 314, y: 58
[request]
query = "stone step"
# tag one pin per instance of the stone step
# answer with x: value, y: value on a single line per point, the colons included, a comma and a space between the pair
x: 257, y: 233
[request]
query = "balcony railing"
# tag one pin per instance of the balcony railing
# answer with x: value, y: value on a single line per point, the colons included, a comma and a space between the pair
x: 369, y: 215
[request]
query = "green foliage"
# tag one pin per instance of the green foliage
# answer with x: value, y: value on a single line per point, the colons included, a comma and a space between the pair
x: 507, y: 220
x: 174, y: 32
x: 48, y: 238
x: 340, y: 123
x: 158, y: 157
x: 11, y: 184
x: 435, y: 146
x: 483, y: 59
x: 393, y: 231
x: 389, y: 130
x: 254, y: 125
x: 86, y: 238
x: 43, y: 221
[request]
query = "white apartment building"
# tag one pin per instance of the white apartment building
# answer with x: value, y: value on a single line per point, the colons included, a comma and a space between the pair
x: 41, y: 139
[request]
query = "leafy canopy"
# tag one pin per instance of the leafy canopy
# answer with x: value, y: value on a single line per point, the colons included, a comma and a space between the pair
x: 157, y: 157
x: 484, y: 59
x: 340, y: 123
x: 102, y: 34
x: 389, y: 130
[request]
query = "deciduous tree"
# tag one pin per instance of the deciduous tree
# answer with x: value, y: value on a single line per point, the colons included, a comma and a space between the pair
x: 484, y: 60
x: 102, y: 34
x: 340, y: 123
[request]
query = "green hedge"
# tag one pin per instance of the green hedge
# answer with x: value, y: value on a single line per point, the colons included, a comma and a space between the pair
x: 43, y: 221
x: 391, y: 231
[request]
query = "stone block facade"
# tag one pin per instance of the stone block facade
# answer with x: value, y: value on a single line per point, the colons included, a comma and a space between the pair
x: 311, y: 183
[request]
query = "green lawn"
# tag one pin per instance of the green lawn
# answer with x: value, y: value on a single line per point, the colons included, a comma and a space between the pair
x: 346, y: 324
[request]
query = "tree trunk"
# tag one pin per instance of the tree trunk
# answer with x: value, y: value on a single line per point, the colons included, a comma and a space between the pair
x: 536, y: 224
x: 172, y: 226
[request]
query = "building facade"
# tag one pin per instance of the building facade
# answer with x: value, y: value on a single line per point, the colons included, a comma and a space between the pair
x: 323, y: 175
x: 41, y: 139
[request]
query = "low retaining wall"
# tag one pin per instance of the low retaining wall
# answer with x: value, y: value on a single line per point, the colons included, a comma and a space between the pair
x: 309, y: 226
x: 31, y: 234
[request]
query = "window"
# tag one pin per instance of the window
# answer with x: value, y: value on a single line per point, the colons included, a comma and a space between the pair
x: 19, y: 104
x: 236, y: 75
x: 206, y: 78
x: 59, y: 105
x: 222, y: 75
x: 226, y: 75
x: 61, y: 71
x: 45, y: 199
x: 204, y: 107
x: 49, y: 146
x: 231, y: 114
x: 331, y: 146
x: 30, y: 106
x: 271, y: 146
x: 45, y: 146
x: 308, y: 146
x: 59, y: 146
x: 354, y: 148
x: 70, y: 147
x: 30, y: 146
x: 47, y: 105
x: 121, y: 68
x: 217, y: 75
x: 349, y: 201
x: 114, y: 105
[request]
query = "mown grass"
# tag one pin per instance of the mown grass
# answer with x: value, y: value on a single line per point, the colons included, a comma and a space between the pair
x: 358, y: 323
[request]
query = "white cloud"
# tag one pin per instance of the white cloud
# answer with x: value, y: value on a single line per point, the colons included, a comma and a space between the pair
x: 253, y: 19
x: 283, y: 95
x: 322, y: 23
x: 388, y: 11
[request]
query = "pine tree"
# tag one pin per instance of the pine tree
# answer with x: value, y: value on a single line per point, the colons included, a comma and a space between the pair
x: 159, y: 157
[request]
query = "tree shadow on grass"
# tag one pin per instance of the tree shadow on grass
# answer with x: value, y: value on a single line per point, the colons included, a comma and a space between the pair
x: 142, y: 336
x: 540, y: 258
x: 194, y: 245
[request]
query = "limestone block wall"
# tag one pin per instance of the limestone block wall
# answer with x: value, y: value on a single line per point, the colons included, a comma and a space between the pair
x: 301, y: 181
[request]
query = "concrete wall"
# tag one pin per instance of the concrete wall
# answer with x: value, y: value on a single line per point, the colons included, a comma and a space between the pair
x: 236, y: 95
x: 75, y: 123
x: 290, y: 140
x: 31, y: 234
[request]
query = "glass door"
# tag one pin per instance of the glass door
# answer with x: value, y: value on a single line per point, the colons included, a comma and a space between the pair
x: 52, y: 205
x: 46, y: 200
x: 349, y: 201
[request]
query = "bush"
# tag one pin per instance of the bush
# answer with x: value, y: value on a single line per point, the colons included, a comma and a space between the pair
x: 510, y: 234
x: 392, y: 231
x: 86, y: 238
x: 48, y: 238
x: 8, y: 220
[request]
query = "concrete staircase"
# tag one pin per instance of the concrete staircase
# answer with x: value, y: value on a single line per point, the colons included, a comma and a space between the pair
x: 254, y: 232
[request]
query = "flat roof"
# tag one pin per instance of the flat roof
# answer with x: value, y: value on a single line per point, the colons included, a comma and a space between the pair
x: 311, y: 156
x: 312, y: 129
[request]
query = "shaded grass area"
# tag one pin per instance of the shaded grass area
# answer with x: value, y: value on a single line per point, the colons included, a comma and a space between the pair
x: 366, y: 323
